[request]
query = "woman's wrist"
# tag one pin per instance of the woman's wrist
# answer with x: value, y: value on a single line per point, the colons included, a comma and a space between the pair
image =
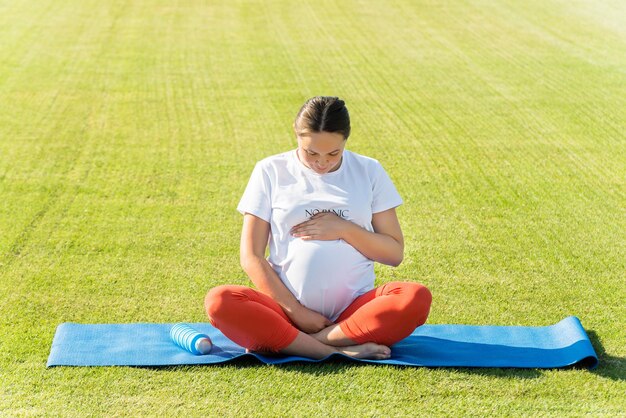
x: 292, y: 309
x: 349, y: 230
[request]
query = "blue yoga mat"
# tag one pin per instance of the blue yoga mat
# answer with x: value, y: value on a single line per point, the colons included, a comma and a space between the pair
x: 140, y: 344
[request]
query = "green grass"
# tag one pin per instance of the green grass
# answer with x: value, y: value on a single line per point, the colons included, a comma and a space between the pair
x: 128, y: 130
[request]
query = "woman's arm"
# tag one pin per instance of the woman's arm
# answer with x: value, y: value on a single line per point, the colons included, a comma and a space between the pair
x: 385, y: 245
x: 254, y: 238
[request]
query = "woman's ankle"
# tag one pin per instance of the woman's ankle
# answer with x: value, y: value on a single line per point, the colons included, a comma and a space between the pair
x: 305, y: 345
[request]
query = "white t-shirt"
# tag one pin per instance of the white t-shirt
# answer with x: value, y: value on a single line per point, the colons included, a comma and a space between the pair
x: 325, y: 276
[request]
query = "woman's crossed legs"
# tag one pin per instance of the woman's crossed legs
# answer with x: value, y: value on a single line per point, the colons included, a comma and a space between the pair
x: 373, y: 322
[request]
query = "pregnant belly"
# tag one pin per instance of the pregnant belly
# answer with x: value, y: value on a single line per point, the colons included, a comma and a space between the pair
x: 327, y: 275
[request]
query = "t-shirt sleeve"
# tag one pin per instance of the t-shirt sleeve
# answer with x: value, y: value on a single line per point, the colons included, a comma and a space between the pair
x: 256, y: 199
x: 385, y: 195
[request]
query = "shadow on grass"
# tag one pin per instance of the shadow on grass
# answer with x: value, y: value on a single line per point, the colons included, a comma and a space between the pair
x: 611, y: 367
x: 500, y: 372
x: 334, y: 365
x: 340, y: 365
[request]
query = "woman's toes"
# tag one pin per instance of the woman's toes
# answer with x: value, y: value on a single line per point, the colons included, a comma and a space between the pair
x: 368, y: 351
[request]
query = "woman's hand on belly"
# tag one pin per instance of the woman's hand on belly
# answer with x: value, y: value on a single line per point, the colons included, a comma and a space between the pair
x: 307, y: 320
x: 324, y: 226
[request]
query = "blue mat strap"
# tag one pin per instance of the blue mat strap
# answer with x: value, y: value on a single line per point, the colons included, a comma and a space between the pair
x: 141, y: 344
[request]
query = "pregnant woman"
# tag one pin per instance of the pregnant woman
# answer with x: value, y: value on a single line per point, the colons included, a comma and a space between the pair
x: 327, y: 215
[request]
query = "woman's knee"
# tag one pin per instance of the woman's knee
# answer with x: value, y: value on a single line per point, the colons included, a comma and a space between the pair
x: 219, y: 299
x: 417, y: 299
x: 422, y: 299
x: 422, y: 293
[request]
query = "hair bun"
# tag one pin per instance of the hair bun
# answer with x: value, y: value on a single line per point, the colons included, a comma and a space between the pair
x: 323, y: 114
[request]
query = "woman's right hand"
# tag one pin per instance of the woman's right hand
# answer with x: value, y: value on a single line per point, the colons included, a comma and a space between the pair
x: 308, y: 321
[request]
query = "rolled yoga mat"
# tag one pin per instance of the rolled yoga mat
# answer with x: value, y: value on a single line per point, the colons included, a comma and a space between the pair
x: 191, y: 340
x: 140, y: 344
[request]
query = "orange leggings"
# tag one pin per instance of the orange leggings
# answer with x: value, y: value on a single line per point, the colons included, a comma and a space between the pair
x: 384, y: 315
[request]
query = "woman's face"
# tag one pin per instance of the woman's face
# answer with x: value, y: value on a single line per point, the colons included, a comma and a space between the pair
x: 321, y: 151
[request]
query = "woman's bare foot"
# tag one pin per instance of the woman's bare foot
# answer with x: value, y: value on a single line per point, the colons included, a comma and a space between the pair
x: 367, y: 351
x: 306, y: 346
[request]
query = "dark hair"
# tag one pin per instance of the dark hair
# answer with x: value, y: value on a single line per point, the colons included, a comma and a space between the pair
x: 323, y: 114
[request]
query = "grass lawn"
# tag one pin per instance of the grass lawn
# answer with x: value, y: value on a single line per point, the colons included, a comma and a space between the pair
x: 128, y: 131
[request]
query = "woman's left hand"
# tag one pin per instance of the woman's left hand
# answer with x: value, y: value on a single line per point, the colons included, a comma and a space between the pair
x: 324, y: 226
